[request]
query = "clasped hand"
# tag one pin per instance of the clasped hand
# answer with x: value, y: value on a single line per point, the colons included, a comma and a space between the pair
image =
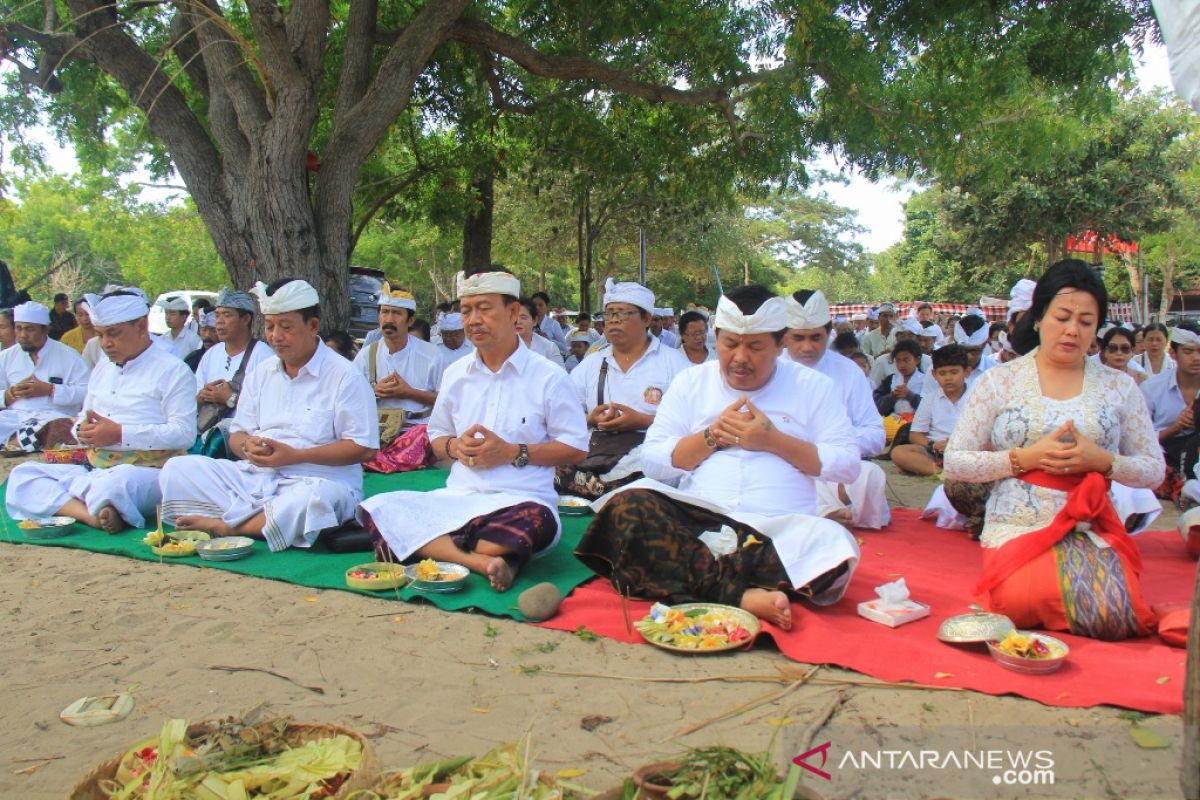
x: 1077, y: 454
x: 29, y: 388
x: 263, y: 452
x: 750, y: 429
x: 217, y: 392
x: 479, y: 448
x: 98, y: 431
x: 615, y: 417
x: 393, y: 386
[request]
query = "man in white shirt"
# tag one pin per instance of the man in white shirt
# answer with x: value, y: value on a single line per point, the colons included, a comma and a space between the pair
x: 743, y: 438
x: 405, y: 372
x: 139, y: 411
x: 42, y: 381
x: 527, y: 330
x: 506, y: 418
x: 182, y: 339
x: 583, y: 324
x: 863, y: 503
x: 859, y: 321
x: 880, y: 340
x: 217, y: 381
x: 619, y: 387
x: 659, y: 327
x: 1171, y: 395
x: 454, y: 344
x: 305, y: 422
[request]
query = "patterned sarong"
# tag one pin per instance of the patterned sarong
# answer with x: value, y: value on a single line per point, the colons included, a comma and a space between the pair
x: 523, y: 530
x: 407, y: 452
x: 648, y: 546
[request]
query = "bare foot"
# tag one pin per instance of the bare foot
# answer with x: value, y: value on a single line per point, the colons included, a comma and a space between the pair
x: 774, y: 607
x: 110, y: 521
x: 499, y: 574
x: 843, y: 516
x: 210, y: 525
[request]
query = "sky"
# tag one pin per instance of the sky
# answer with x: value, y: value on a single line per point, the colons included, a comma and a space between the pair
x: 879, y: 206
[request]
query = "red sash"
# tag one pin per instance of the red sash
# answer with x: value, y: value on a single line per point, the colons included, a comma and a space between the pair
x: 1087, y: 501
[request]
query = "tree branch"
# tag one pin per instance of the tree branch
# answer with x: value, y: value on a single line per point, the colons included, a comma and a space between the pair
x: 382, y: 200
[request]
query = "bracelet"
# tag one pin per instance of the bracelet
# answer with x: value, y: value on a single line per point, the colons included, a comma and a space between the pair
x: 450, y: 455
x: 709, y: 441
x: 1015, y: 462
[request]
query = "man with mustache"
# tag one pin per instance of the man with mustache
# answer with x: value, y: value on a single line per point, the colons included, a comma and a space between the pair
x: 744, y: 438
x: 405, y: 372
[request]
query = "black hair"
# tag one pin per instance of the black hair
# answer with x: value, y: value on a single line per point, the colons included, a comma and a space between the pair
x: 202, y: 302
x: 801, y: 296
x: 1157, y: 326
x: 1116, y: 331
x: 483, y: 268
x: 951, y: 355
x: 78, y: 302
x: 340, y: 341
x: 859, y: 355
x: 1070, y: 273
x: 749, y: 299
x: 924, y: 306
x: 312, y: 312
x: 528, y: 303
x: 582, y: 315
x: 688, y: 318
x: 543, y: 296
x: 420, y: 326
x: 443, y: 307
x: 844, y: 340
x: 61, y: 297
x: 971, y: 323
x: 909, y: 346
x: 996, y: 327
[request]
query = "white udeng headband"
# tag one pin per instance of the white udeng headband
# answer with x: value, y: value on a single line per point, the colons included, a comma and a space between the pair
x: 487, y: 283
x: 31, y: 313
x: 115, y: 310
x: 813, y: 314
x: 629, y: 292
x: 976, y: 339
x: 771, y: 316
x: 292, y: 296
x: 1184, y: 337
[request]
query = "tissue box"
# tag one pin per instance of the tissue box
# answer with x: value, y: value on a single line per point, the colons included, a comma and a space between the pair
x: 909, y: 611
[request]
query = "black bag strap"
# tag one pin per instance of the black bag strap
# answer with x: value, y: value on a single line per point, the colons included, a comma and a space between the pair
x: 240, y: 375
x: 600, y: 382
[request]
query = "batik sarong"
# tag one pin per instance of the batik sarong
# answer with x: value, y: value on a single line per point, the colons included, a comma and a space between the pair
x: 522, y: 529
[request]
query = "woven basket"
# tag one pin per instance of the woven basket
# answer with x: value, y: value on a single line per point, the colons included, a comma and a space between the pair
x: 298, y: 732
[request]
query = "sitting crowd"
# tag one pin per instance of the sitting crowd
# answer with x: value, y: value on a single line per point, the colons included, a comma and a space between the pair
x: 726, y: 461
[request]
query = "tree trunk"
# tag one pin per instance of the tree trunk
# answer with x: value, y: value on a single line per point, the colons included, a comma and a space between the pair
x: 477, y: 226
x: 1133, y: 270
x: 1189, y: 778
x: 1168, y: 287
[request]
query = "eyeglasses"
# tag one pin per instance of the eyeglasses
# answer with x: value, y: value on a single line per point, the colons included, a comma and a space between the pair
x: 1118, y: 348
x: 619, y: 316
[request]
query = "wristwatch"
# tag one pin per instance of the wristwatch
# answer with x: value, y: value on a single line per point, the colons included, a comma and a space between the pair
x: 232, y: 401
x: 522, y: 458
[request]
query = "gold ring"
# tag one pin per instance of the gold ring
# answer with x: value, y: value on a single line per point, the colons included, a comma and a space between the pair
x: 471, y: 461
x: 737, y: 440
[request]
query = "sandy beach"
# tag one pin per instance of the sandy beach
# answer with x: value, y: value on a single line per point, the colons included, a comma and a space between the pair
x: 425, y: 684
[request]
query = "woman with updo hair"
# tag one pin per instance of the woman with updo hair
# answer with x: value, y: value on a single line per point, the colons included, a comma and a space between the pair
x: 1047, y: 433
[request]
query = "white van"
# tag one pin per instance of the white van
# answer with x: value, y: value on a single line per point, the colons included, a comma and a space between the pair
x: 158, y: 317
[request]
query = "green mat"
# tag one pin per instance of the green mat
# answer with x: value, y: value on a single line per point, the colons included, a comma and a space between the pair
x: 321, y: 569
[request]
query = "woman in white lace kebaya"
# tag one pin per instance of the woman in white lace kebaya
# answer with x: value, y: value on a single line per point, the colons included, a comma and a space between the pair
x: 1049, y: 431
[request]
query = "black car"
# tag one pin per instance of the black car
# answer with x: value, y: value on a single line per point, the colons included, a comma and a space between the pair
x: 365, y: 284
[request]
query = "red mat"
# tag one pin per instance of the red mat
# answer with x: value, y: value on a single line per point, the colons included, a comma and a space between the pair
x: 940, y: 567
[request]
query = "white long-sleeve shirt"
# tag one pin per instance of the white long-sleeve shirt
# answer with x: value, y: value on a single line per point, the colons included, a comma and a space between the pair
x: 801, y: 402
x: 152, y: 397
x: 326, y: 402
x: 860, y: 402
x: 419, y: 363
x: 641, y: 388
x: 184, y: 344
x: 57, y: 364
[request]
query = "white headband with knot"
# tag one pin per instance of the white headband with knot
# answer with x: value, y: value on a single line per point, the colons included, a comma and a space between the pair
x: 487, y: 283
x: 629, y: 292
x: 813, y: 313
x: 1021, y: 296
x: 976, y: 339
x: 292, y: 296
x: 31, y: 313
x: 113, y: 310
x: 1184, y: 337
x: 771, y: 317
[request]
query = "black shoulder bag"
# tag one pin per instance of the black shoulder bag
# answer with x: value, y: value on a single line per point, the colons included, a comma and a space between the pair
x: 606, y: 448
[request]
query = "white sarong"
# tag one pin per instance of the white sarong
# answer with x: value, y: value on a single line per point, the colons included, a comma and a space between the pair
x: 868, y: 498
x: 808, y: 546
x: 946, y: 514
x: 40, y: 490
x: 1125, y: 500
x: 408, y: 521
x: 297, y: 508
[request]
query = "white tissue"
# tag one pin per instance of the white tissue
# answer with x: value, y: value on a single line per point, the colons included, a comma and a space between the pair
x: 722, y: 542
x: 892, y: 595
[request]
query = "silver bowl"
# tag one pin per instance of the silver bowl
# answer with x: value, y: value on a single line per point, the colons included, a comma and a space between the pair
x: 1032, y: 666
x: 225, y: 548
x: 457, y: 578
x: 48, y: 527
